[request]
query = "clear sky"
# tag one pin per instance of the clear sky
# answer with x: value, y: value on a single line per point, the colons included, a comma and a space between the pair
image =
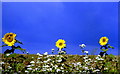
x: 40, y: 24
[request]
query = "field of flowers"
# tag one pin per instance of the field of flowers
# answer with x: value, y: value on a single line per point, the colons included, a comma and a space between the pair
x: 62, y: 62
x: 31, y: 63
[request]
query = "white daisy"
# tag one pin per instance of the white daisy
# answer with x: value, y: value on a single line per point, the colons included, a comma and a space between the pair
x: 26, y: 71
x: 58, y: 70
x: 29, y: 68
x: 85, y: 51
x: 46, y: 53
x: 32, y: 62
x: 60, y: 60
x: 53, y: 49
x: 82, y: 45
x: 7, y: 54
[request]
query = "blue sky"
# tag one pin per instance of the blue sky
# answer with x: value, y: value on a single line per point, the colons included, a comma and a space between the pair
x: 40, y: 24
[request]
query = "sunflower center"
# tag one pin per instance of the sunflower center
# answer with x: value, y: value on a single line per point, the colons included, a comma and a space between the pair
x: 104, y: 40
x: 60, y: 44
x: 9, y: 39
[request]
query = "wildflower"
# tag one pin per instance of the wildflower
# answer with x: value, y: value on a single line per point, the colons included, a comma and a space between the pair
x: 86, y: 52
x: 99, y: 56
x: 60, y: 44
x: 89, y: 59
x: 27, y: 52
x: 36, y: 68
x: 9, y: 39
x: 56, y: 66
x: 101, y: 59
x: 96, y: 70
x: 86, y: 68
x: 44, y: 70
x: 63, y: 52
x: 88, y: 63
x: 37, y: 62
x: 45, y: 61
x: 39, y: 54
x: 103, y: 41
x: 82, y: 45
x: 7, y: 54
x: 50, y: 69
x: 53, y: 49
x: 29, y: 68
x: 86, y: 60
x: 78, y: 63
x: 32, y: 65
x: 38, y: 58
x: 26, y: 71
x: 84, y: 71
x: 51, y: 55
x: 95, y: 61
x: 9, y: 67
x: 62, y: 68
x: 59, y: 60
x: 46, y: 66
x: 85, y: 57
x: 49, y: 60
x: 58, y: 70
x: 46, y: 53
x: 32, y: 62
x: 2, y: 63
x: 62, y: 64
x: 105, y: 68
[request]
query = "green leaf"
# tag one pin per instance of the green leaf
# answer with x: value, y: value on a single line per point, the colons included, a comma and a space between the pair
x: 110, y: 47
x: 19, y: 66
x: 111, y: 56
x: 18, y: 47
x: 18, y: 42
x: 4, y: 45
x: 104, y: 50
x: 13, y: 55
x: 108, y: 64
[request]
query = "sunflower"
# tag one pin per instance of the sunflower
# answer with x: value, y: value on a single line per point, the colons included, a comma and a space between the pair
x: 103, y: 41
x: 9, y: 39
x: 60, y: 44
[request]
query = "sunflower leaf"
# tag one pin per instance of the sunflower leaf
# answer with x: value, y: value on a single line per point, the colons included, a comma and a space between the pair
x: 18, y: 47
x: 110, y: 47
x: 104, y: 50
x: 4, y: 45
x: 19, y: 42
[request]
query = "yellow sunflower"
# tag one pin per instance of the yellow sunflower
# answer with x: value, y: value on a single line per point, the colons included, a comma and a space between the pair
x: 60, y: 44
x: 9, y: 39
x: 103, y: 41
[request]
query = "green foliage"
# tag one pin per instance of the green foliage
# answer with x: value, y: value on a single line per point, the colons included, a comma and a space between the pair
x: 4, y: 45
x: 68, y: 62
x: 110, y: 47
x: 104, y: 50
x: 18, y: 42
x: 19, y: 67
x: 13, y: 55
